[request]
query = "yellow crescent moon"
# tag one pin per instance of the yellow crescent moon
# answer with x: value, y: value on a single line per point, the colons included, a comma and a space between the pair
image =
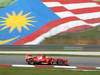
x: 6, y: 41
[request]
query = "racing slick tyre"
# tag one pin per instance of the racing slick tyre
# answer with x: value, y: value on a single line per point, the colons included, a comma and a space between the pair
x: 31, y: 62
x: 60, y: 62
x: 52, y: 63
x: 34, y: 63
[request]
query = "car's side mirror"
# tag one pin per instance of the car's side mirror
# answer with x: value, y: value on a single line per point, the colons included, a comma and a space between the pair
x: 4, y: 3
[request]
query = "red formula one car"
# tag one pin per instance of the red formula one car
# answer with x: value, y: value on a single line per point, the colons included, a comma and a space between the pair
x: 42, y: 59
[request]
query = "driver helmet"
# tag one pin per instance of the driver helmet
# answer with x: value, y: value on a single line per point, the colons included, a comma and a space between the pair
x: 29, y: 55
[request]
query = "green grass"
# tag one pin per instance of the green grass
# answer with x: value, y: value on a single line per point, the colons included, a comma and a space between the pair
x: 96, y: 0
x: 42, y: 71
x: 4, y: 3
x: 58, y: 55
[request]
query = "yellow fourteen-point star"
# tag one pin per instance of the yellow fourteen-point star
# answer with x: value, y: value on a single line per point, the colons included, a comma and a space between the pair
x: 18, y: 21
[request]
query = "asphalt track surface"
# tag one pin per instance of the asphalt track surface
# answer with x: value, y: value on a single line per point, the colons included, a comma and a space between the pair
x: 74, y: 61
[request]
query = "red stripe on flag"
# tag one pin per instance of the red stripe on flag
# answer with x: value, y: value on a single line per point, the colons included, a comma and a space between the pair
x: 95, y: 20
x: 49, y: 0
x: 74, y: 1
x: 86, y: 67
x: 98, y: 2
x: 78, y: 28
x: 44, y: 29
x: 86, y: 10
x: 58, y: 9
x: 68, y: 1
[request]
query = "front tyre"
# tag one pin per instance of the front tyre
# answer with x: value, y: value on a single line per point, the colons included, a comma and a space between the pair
x: 30, y: 62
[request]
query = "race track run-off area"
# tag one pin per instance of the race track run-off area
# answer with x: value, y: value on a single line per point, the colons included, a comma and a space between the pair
x: 74, y: 62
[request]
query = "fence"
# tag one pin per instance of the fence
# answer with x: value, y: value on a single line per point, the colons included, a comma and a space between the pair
x: 49, y: 47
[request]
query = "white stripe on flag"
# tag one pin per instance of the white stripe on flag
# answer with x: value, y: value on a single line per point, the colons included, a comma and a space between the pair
x: 88, y: 15
x: 95, y: 24
x: 64, y: 14
x: 52, y: 4
x: 72, y: 6
x: 80, y: 5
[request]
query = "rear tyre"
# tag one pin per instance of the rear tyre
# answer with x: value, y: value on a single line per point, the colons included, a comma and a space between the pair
x: 52, y: 63
x: 49, y: 63
x: 59, y: 62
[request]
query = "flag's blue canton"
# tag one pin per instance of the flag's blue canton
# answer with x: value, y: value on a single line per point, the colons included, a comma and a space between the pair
x: 36, y: 7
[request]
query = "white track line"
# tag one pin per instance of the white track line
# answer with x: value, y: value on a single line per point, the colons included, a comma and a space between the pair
x: 50, y: 52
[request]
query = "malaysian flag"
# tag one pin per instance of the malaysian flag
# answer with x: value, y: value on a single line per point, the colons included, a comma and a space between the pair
x: 76, y: 14
x: 29, y: 22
